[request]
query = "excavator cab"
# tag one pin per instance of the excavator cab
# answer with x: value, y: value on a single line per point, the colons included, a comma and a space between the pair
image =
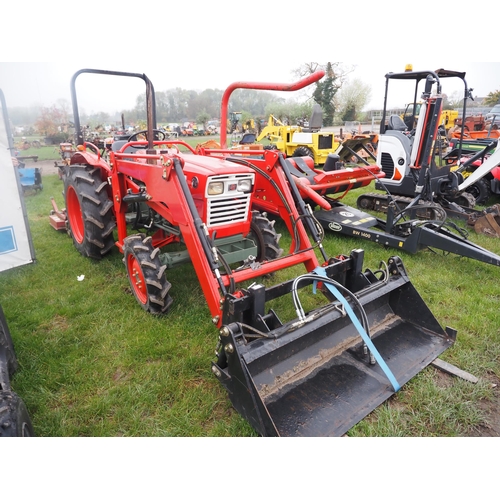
x: 407, y: 148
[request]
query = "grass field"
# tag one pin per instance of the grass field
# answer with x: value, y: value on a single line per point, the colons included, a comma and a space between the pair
x: 92, y: 363
x: 52, y: 152
x: 42, y: 153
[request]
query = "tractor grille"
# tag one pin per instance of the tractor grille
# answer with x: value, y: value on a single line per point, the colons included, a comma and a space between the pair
x: 387, y: 165
x: 231, y: 206
x: 228, y: 210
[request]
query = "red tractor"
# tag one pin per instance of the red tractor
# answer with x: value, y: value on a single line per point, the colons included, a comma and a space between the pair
x: 151, y: 194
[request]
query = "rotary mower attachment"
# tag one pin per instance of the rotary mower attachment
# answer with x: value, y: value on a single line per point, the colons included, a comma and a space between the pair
x: 410, y: 235
x: 323, y: 371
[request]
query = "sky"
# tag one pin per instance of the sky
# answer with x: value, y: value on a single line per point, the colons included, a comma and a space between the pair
x: 213, y: 44
x: 47, y: 83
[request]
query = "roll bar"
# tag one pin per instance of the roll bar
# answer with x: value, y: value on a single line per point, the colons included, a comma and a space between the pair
x: 286, y: 87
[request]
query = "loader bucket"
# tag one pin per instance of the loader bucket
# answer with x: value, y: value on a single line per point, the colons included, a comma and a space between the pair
x: 312, y: 377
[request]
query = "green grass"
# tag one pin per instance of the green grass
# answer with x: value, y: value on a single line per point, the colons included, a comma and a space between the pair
x: 92, y: 363
x: 43, y: 153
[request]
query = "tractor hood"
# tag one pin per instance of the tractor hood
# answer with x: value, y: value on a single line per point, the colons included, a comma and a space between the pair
x: 207, y: 166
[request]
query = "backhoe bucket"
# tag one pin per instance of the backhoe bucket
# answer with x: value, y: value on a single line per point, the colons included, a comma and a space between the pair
x: 489, y: 224
x: 312, y: 377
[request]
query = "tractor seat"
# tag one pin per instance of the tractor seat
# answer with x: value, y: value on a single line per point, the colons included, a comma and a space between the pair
x: 248, y: 138
x: 316, y: 120
x: 396, y: 123
x: 299, y: 168
x: 117, y: 145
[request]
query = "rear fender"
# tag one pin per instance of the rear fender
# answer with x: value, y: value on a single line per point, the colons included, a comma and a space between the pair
x: 90, y: 158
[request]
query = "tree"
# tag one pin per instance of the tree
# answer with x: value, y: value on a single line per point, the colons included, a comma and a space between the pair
x: 22, y: 116
x: 324, y: 94
x: 254, y: 102
x: 492, y: 98
x: 454, y: 100
x: 203, y: 118
x: 208, y: 101
x: 51, y: 121
x: 352, y: 98
x: 289, y: 112
x: 327, y: 87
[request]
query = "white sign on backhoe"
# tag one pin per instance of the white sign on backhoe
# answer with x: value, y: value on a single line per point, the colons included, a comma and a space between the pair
x: 16, y: 248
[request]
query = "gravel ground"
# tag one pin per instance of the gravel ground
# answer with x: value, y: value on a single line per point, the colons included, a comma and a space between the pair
x: 48, y: 167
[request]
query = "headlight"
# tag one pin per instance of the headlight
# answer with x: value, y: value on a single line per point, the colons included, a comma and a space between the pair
x: 245, y: 185
x: 215, y: 188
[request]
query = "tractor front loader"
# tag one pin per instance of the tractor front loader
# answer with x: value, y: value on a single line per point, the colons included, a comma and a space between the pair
x: 347, y: 337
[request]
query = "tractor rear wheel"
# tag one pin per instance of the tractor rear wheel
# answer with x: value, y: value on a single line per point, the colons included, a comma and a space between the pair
x: 265, y: 237
x: 146, y: 274
x: 90, y: 211
x: 303, y: 151
x: 481, y: 191
x: 7, y: 346
x: 14, y: 418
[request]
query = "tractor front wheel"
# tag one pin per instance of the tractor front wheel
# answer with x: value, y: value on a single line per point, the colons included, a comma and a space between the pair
x: 90, y: 211
x: 146, y: 274
x: 265, y: 237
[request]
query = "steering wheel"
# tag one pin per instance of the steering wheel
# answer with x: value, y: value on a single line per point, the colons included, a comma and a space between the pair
x: 158, y: 135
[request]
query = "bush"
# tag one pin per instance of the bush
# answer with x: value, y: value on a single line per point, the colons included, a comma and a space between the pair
x: 56, y: 138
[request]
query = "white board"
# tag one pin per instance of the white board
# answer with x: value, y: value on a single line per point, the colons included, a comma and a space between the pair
x: 16, y: 248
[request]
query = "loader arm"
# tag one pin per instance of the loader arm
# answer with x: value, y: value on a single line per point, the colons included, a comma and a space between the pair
x: 164, y: 178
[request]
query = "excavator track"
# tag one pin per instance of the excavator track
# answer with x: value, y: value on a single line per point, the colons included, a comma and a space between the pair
x: 462, y: 207
x: 380, y: 203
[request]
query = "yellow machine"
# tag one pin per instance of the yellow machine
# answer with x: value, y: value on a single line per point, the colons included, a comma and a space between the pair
x: 410, y: 116
x: 301, y: 141
x: 233, y: 122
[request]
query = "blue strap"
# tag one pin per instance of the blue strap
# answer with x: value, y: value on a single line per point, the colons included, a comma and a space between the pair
x: 367, y: 340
